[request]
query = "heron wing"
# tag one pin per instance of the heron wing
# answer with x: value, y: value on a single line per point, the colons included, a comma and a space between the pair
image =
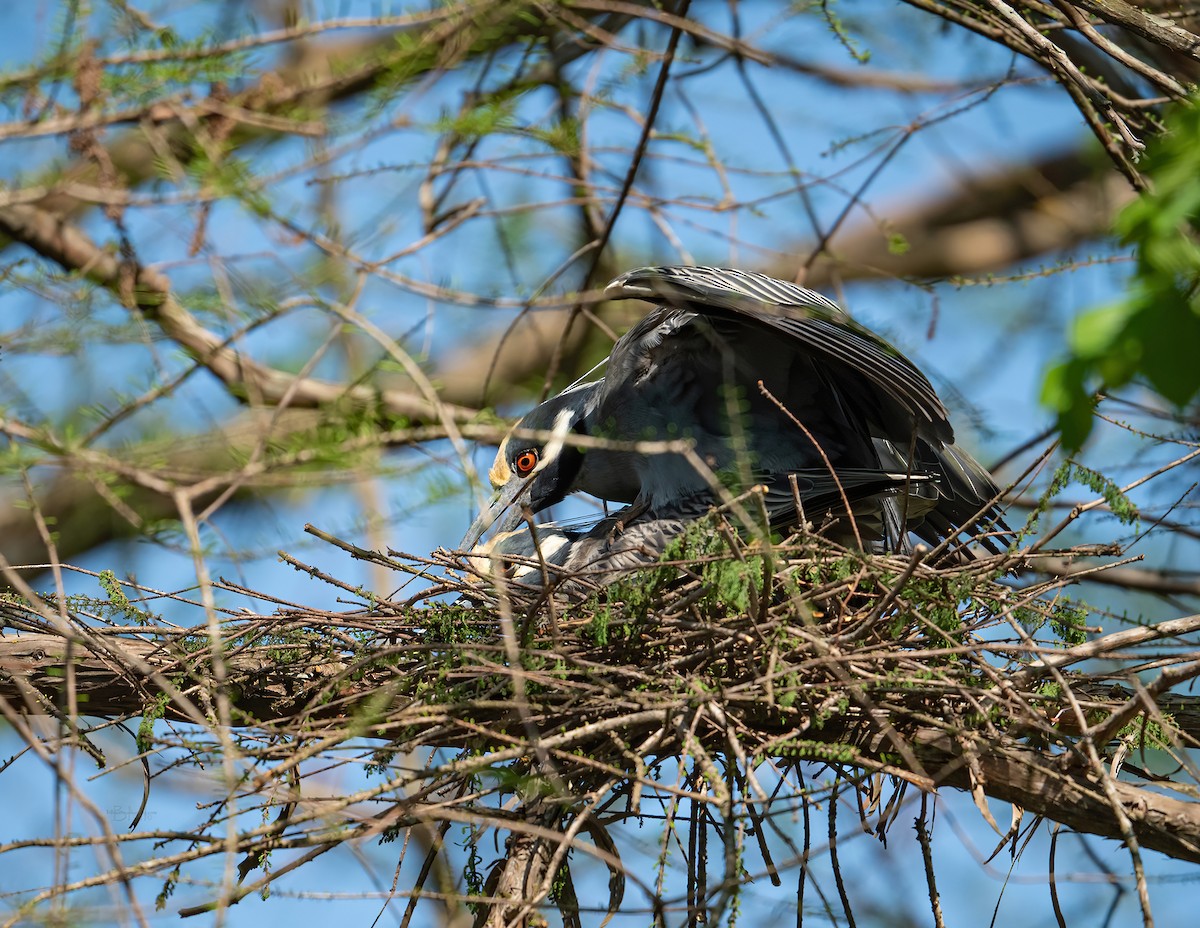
x: 810, y: 321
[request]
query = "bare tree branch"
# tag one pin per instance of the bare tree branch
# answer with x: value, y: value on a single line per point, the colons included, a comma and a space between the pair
x: 151, y: 292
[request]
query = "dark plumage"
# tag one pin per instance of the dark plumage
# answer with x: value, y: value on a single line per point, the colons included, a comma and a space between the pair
x: 771, y: 382
x: 575, y: 561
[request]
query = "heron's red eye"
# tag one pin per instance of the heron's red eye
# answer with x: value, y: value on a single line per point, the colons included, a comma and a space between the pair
x: 526, y: 461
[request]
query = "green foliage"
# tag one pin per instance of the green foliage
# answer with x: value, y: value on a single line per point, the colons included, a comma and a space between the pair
x: 231, y: 177
x: 1151, y: 333
x: 152, y: 80
x: 1067, y: 618
x: 808, y: 749
x: 1120, y: 504
x: 118, y: 603
x: 168, y: 890
x: 448, y: 622
x: 410, y: 58
x: 563, y: 136
x: 151, y: 712
x: 1069, y: 472
x: 598, y: 628
x: 491, y: 116
x: 473, y: 873
x: 1150, y: 734
x: 941, y: 600
x: 731, y: 583
x: 1069, y: 622
x: 839, y: 28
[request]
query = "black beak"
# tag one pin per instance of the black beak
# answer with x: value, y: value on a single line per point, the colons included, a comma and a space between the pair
x: 505, y: 510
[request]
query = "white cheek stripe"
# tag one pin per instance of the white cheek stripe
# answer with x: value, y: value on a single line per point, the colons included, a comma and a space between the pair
x: 562, y: 425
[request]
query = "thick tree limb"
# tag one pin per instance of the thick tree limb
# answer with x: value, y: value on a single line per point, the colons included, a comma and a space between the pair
x: 272, y: 694
x: 867, y: 664
x: 1128, y: 578
x: 989, y: 222
x: 151, y: 292
x: 90, y: 504
x: 1027, y: 778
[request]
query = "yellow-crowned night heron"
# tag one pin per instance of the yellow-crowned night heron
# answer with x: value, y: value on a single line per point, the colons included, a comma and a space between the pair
x: 577, y: 561
x: 774, y: 385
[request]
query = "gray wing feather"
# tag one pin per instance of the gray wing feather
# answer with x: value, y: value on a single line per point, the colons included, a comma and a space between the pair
x: 804, y: 315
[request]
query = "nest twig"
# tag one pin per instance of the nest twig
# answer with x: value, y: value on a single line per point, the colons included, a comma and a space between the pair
x: 706, y: 680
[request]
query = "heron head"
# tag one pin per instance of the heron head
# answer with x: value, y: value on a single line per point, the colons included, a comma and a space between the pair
x: 536, y: 466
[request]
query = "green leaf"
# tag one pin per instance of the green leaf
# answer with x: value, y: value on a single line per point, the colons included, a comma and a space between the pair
x: 1094, y: 333
x: 1152, y: 334
x: 1064, y: 392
